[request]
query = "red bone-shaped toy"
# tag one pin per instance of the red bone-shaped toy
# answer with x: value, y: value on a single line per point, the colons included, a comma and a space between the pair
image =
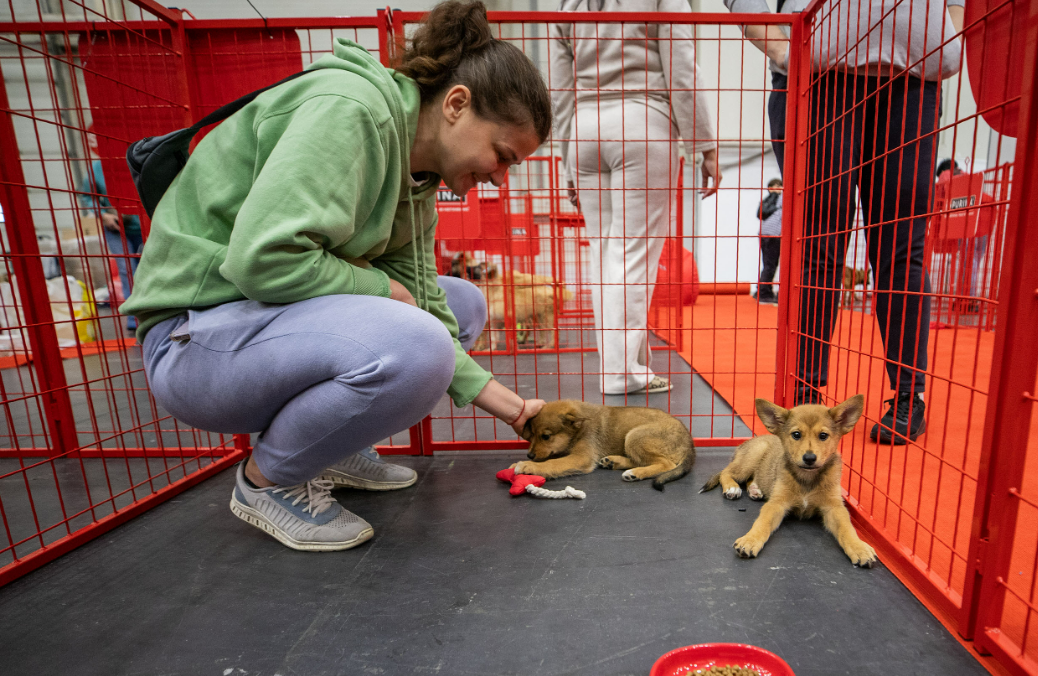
x: 531, y: 483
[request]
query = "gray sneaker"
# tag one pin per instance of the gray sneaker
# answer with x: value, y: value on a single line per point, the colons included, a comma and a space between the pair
x: 304, y: 517
x: 367, y: 471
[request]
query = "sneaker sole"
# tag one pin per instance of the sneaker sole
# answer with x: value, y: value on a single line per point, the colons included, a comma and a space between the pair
x: 344, y: 481
x: 254, y: 518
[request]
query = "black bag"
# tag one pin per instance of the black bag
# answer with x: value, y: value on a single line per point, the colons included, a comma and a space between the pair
x: 768, y: 206
x: 155, y: 161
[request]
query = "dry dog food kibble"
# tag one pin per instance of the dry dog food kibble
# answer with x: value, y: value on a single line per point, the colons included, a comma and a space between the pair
x: 718, y: 670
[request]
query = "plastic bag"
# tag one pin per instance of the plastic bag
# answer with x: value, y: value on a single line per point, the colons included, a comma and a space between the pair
x: 79, y: 325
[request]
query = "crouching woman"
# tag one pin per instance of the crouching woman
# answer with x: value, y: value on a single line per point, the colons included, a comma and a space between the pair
x: 289, y: 287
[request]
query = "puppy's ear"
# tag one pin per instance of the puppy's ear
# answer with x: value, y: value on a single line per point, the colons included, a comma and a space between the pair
x: 846, y: 414
x: 571, y: 420
x: 773, y: 416
x: 527, y: 432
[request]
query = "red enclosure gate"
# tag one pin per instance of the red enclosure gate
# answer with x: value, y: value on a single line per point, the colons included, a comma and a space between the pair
x: 83, y: 446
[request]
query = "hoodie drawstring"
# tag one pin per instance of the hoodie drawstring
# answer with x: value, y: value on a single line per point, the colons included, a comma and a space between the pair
x: 418, y: 242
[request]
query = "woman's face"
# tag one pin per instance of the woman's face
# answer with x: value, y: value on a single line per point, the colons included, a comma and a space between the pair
x: 474, y: 149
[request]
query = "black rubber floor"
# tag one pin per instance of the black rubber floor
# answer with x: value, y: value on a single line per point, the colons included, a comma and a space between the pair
x: 462, y: 579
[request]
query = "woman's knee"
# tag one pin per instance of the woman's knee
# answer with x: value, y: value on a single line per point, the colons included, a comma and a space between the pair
x: 422, y: 363
x: 469, y: 307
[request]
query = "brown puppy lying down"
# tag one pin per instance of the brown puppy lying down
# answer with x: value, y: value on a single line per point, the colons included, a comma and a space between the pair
x: 573, y: 437
x: 797, y: 470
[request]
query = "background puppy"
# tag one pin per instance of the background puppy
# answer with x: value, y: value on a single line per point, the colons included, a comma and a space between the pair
x: 532, y: 298
x: 573, y: 437
x: 796, y: 469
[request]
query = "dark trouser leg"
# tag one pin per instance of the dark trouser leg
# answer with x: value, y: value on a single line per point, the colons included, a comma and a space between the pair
x: 833, y: 155
x: 896, y: 186
x: 769, y: 254
x: 777, y: 118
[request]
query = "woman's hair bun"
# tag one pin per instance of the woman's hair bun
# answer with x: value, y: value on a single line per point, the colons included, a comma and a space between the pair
x: 455, y: 45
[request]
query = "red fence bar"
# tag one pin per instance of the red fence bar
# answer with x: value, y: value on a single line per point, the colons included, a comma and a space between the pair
x: 948, y: 512
x: 25, y: 262
x: 1009, y: 446
x: 797, y: 105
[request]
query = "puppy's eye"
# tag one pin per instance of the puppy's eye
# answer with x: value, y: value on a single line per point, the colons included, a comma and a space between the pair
x: 823, y: 435
x: 546, y: 436
x: 795, y: 435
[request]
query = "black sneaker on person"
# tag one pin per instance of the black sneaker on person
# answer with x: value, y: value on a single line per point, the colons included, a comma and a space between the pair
x: 903, y: 422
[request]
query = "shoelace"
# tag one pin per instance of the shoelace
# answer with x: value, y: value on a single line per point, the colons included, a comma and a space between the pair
x: 904, y: 406
x: 317, y: 493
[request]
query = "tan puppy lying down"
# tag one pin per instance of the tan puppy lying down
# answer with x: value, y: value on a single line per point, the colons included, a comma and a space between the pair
x: 797, y: 470
x: 574, y: 437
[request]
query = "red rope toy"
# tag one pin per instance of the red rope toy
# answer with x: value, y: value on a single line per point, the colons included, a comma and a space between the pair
x: 531, y: 483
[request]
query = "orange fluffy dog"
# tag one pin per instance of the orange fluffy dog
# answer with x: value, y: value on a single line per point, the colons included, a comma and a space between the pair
x: 530, y: 299
x: 797, y: 470
x: 574, y: 437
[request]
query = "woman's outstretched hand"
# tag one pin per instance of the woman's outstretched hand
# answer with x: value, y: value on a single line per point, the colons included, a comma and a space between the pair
x: 506, y: 405
x: 531, y: 408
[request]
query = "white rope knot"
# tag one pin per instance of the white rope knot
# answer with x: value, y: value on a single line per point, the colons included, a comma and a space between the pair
x: 569, y: 492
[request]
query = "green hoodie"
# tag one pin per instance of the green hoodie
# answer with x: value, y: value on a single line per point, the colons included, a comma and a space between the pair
x: 304, y: 192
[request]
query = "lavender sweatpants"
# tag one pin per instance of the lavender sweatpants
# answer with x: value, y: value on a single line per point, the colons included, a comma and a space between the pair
x: 321, y: 378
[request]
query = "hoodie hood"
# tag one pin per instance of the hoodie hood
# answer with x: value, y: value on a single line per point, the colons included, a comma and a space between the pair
x: 404, y: 101
x: 400, y: 92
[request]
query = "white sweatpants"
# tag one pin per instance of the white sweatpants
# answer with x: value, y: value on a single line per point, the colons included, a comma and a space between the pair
x: 627, y: 167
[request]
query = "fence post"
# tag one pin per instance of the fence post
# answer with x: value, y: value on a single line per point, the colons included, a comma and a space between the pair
x: 32, y: 288
x: 798, y: 110
x: 384, y: 28
x: 1014, y: 368
x: 182, y: 46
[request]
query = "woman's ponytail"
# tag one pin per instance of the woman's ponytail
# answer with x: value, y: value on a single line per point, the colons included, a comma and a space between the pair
x: 454, y: 45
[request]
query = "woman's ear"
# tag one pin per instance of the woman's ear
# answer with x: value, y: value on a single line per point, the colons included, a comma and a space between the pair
x: 457, y: 99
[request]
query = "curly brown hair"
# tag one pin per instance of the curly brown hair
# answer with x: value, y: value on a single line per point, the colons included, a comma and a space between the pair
x: 454, y: 45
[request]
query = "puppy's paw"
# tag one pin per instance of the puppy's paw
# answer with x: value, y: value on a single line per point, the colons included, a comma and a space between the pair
x: 747, y: 547
x: 733, y: 493
x: 526, y: 467
x: 629, y: 475
x: 862, y: 555
x: 754, y: 492
x: 605, y: 463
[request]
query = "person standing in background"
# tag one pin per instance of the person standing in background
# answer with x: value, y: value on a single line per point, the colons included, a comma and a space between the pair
x: 122, y: 232
x: 873, y: 108
x: 770, y: 215
x: 624, y: 94
x: 777, y: 105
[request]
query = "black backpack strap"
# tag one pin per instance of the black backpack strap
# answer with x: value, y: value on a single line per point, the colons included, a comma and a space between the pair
x: 228, y: 109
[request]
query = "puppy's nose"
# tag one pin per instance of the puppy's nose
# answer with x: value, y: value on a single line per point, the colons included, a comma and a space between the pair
x: 809, y: 458
x: 530, y: 455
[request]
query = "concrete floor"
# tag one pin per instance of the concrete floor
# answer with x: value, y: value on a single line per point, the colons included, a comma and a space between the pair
x: 463, y: 579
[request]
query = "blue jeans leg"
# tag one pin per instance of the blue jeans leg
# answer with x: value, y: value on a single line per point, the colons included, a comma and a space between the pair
x: 126, y: 258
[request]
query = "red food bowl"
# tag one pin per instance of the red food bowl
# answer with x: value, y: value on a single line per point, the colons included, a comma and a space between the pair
x: 705, y: 655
